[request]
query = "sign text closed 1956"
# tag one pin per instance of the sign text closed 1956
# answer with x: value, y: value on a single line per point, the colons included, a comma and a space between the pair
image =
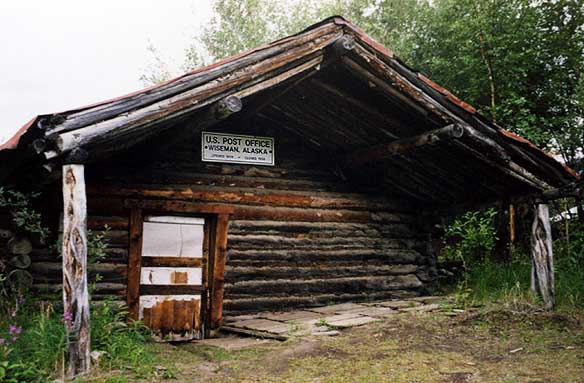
x: 234, y: 148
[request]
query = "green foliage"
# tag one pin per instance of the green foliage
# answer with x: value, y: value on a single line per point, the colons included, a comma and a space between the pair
x: 32, y: 334
x: 33, y: 341
x: 25, y: 217
x: 96, y: 246
x: 486, y: 281
x: 122, y: 341
x: 569, y: 263
x: 471, y: 238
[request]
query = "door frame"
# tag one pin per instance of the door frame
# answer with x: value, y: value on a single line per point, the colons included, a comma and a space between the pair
x: 218, y: 218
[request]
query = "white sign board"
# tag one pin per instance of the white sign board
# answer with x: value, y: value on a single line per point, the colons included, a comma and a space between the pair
x: 238, y: 149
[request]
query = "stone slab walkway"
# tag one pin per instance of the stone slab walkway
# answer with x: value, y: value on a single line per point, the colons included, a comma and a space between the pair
x: 328, y: 320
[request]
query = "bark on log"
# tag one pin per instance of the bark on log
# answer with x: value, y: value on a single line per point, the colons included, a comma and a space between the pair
x: 314, y: 270
x: 75, y: 292
x: 285, y: 257
x: 542, y: 269
x: 283, y: 287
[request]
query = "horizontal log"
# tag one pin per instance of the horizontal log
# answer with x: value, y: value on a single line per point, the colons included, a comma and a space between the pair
x: 241, y: 242
x: 104, y: 288
x: 113, y: 255
x: 187, y: 82
x: 139, y: 120
x: 254, y: 180
x: 316, y: 270
x: 308, y: 215
x: 286, y: 257
x: 333, y: 285
x: 256, y: 304
x: 96, y: 268
x: 404, y: 145
x: 249, y: 196
x: 321, y: 228
x: 115, y: 238
x: 178, y: 206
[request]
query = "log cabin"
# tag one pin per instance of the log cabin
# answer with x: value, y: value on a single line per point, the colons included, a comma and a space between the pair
x: 307, y: 171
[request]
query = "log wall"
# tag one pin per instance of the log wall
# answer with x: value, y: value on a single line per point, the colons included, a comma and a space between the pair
x: 300, y: 235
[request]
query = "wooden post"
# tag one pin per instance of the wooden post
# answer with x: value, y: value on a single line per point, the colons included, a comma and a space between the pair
x: 75, y: 292
x: 134, y: 262
x: 542, y: 267
x: 219, y: 271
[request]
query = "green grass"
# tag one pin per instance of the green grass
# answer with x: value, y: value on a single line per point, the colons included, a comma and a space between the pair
x: 508, y: 284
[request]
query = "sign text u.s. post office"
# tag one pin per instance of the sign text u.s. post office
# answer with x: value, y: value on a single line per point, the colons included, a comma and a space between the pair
x: 238, y: 149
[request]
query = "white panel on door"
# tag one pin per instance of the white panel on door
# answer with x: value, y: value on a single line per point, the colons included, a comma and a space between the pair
x: 172, y: 240
x: 171, y: 276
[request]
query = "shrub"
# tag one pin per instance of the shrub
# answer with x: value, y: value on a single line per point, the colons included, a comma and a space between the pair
x: 471, y: 237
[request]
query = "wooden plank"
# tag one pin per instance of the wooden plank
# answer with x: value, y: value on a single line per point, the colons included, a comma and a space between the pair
x: 171, y: 289
x: 292, y: 316
x: 134, y: 261
x: 255, y: 333
x: 264, y: 325
x: 337, y: 308
x: 75, y: 291
x: 353, y: 322
x: 171, y: 262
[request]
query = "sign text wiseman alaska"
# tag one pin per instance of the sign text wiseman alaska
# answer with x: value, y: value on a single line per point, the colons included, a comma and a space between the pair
x: 234, y: 148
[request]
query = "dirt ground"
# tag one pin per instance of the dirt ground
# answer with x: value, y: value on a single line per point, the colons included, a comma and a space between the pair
x: 494, y: 346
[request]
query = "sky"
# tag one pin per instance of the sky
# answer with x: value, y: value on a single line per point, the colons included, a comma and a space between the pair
x: 62, y: 54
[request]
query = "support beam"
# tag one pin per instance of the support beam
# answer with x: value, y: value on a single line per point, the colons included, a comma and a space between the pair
x: 542, y: 267
x: 218, y: 279
x: 405, y: 145
x: 74, y: 252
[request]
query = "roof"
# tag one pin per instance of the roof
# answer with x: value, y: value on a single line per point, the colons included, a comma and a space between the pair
x: 378, y: 100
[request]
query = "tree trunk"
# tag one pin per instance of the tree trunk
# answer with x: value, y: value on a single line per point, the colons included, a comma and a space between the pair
x: 542, y: 269
x: 75, y: 292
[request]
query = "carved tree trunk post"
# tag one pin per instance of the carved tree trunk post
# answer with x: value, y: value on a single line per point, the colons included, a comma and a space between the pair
x: 542, y: 267
x: 75, y: 292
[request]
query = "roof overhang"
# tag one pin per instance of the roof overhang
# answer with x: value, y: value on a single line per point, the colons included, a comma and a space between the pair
x: 449, y: 147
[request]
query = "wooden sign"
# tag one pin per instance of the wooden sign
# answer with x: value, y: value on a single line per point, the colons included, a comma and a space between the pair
x: 238, y: 149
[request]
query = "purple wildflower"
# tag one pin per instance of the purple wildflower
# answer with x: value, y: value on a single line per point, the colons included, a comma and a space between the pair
x: 13, y: 313
x: 67, y: 317
x: 14, y: 338
x: 15, y: 329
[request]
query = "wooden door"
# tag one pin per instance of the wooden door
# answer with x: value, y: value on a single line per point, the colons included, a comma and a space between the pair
x: 173, y: 277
